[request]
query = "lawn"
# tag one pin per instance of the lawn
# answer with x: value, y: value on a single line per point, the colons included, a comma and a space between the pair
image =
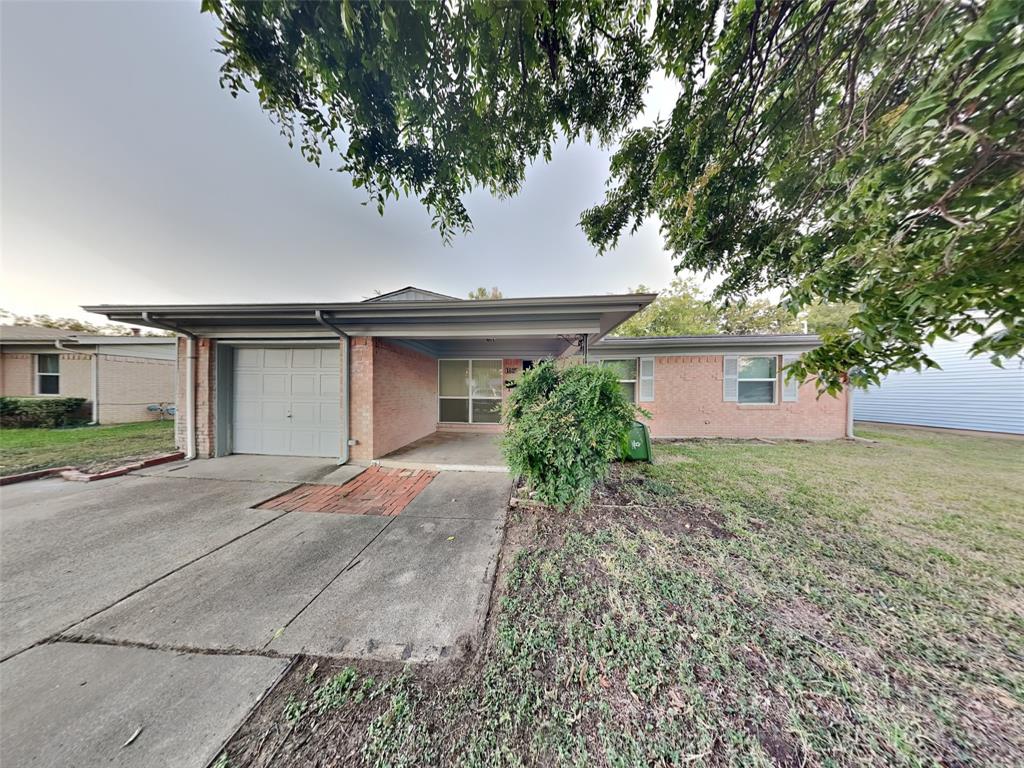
x: 22, y: 450
x: 842, y: 603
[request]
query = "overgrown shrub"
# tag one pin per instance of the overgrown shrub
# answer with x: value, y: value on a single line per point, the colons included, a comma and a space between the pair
x: 46, y: 412
x: 565, y: 427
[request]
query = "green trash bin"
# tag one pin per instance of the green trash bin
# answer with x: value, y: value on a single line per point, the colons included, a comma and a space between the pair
x: 638, y: 443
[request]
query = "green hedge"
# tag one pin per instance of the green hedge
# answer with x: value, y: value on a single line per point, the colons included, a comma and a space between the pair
x: 40, y: 411
x: 564, y: 428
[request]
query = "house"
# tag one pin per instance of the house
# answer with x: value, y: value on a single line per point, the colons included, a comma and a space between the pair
x: 119, y: 376
x: 359, y: 380
x: 964, y: 393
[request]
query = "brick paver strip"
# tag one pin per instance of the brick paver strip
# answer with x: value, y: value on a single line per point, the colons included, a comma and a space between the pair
x: 377, y: 491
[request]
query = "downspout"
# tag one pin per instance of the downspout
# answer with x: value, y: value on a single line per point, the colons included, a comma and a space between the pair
x: 190, y: 381
x: 345, y: 361
x: 95, y: 377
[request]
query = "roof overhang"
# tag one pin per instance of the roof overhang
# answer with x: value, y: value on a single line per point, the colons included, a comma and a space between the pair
x: 717, y: 344
x: 552, y: 317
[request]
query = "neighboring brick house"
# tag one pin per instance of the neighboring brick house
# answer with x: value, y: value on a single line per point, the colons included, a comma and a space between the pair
x: 359, y: 380
x: 119, y: 376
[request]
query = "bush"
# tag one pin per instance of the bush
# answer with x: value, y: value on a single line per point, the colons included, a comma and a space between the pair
x: 46, y: 412
x: 565, y: 427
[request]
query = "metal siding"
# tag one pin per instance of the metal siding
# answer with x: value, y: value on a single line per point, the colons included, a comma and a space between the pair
x: 968, y: 393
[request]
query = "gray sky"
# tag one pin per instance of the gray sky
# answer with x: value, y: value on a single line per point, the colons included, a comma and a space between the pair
x: 128, y: 175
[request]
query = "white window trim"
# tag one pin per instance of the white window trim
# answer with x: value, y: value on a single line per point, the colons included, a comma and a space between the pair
x: 773, y: 379
x: 39, y: 375
x: 635, y: 381
x: 641, y: 379
x: 469, y: 397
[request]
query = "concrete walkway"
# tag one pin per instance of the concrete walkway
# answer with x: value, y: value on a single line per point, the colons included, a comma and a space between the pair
x: 454, y: 451
x: 197, y: 600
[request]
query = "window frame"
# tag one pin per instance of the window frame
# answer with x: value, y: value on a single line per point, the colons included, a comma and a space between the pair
x: 469, y: 395
x: 39, y: 374
x: 773, y: 379
x: 635, y: 381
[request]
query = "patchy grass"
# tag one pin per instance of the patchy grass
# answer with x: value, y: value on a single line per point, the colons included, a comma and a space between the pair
x: 22, y: 450
x: 789, y: 604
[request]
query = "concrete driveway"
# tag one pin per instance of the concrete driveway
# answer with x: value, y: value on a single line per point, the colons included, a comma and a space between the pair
x: 163, y: 600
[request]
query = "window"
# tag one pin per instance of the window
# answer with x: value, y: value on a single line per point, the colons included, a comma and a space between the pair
x: 48, y: 374
x: 626, y: 372
x: 757, y: 378
x: 469, y: 391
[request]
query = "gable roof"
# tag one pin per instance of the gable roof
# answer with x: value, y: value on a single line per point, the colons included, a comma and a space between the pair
x: 37, y: 334
x: 32, y: 333
x: 412, y: 293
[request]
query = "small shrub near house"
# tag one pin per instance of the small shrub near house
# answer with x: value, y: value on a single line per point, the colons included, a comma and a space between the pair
x: 47, y: 412
x: 565, y: 427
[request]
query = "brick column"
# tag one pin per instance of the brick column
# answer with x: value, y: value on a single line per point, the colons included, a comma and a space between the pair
x: 361, y: 398
x: 204, y: 396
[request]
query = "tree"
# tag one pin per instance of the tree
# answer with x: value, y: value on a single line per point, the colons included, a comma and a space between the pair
x: 829, y: 318
x: 867, y: 151
x: 758, y: 316
x: 683, y: 310
x: 680, y: 310
x: 71, y: 324
x: 482, y: 293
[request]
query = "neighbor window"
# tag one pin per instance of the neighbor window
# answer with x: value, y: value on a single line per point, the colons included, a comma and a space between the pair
x: 48, y: 374
x: 625, y: 371
x: 469, y: 391
x: 757, y: 378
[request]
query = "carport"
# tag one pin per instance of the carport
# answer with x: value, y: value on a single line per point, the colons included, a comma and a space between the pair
x: 359, y: 381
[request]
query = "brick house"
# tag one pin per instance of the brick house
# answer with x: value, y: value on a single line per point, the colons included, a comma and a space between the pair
x: 356, y: 381
x: 119, y: 376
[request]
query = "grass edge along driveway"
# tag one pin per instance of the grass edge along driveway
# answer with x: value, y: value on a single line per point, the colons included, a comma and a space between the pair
x: 801, y: 603
x: 24, y: 450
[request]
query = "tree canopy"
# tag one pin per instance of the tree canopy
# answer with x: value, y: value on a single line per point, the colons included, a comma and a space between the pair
x: 865, y: 152
x: 483, y: 293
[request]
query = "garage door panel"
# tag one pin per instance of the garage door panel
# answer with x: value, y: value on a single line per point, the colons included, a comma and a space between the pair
x: 246, y: 357
x: 247, y: 384
x: 275, y: 383
x: 304, y: 384
x: 305, y: 358
x: 277, y: 358
x: 330, y: 414
x: 247, y: 441
x: 305, y: 414
x: 286, y: 401
x: 330, y: 359
x: 330, y: 384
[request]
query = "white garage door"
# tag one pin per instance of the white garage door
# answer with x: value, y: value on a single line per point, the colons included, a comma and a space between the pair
x: 287, y: 401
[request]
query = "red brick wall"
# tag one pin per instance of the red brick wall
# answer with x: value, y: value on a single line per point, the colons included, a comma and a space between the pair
x: 205, y: 396
x: 394, y: 396
x: 361, y: 398
x: 688, y: 403
x: 404, y: 396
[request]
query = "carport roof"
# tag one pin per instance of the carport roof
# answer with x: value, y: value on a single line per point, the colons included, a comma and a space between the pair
x: 550, y: 316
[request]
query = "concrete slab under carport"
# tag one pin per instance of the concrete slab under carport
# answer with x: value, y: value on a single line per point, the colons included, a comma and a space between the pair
x: 279, y: 469
x: 420, y: 588
x: 67, y: 704
x: 68, y: 551
x: 238, y: 597
x: 455, y: 451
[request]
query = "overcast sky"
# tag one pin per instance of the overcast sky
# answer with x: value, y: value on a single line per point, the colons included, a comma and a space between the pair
x: 128, y: 175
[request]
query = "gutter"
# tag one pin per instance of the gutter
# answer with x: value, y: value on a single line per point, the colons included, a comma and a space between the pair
x: 190, y: 382
x: 346, y: 356
x: 95, y: 376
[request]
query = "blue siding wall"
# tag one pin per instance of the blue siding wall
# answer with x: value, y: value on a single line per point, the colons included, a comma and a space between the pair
x: 968, y: 393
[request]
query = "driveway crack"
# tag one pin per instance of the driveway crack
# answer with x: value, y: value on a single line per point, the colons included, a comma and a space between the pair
x: 352, y: 563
